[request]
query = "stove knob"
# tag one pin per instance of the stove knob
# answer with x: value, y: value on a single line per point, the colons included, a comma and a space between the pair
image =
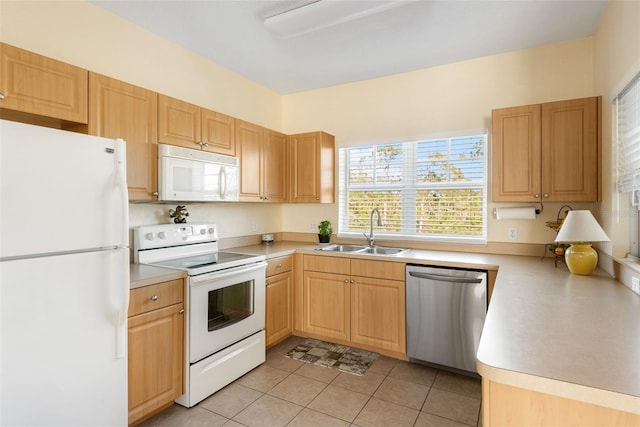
x: 211, y: 230
x: 203, y: 231
x: 162, y: 235
x: 149, y: 236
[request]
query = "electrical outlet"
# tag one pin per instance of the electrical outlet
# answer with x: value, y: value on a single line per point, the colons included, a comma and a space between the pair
x: 513, y: 233
x: 254, y: 227
x: 313, y: 226
x: 635, y: 285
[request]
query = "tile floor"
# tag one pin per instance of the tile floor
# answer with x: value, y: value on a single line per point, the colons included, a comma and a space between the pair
x: 286, y: 392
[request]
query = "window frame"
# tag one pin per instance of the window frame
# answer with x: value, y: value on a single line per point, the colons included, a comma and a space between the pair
x: 631, y: 184
x: 410, y: 188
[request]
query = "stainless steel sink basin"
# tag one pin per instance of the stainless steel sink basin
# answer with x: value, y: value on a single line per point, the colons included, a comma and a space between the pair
x: 381, y: 250
x: 363, y: 249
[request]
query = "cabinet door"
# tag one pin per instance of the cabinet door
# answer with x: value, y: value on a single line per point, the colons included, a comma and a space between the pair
x: 121, y: 110
x: 378, y: 313
x: 312, y: 167
x: 516, y: 154
x: 39, y: 85
x: 326, y: 305
x: 570, y: 150
x: 249, y: 142
x: 275, y: 167
x: 218, y: 132
x: 178, y: 123
x: 279, y: 313
x: 156, y: 348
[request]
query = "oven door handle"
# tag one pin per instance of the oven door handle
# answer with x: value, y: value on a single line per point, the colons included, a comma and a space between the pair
x: 216, y: 275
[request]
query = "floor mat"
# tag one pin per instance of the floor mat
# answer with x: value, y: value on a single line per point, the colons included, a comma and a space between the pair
x: 341, y: 357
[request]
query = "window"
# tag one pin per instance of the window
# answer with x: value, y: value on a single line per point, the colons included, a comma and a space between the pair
x: 626, y: 107
x: 429, y: 189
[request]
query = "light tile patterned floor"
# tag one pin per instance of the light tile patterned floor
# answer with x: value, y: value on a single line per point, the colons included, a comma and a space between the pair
x: 286, y: 392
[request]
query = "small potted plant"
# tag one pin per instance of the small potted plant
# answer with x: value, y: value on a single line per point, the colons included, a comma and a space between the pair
x: 324, y: 231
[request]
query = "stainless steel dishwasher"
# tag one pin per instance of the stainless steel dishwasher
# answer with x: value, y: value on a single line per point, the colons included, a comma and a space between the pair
x: 446, y: 309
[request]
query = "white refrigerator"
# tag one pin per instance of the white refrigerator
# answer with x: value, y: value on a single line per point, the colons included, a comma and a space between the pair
x: 64, y: 278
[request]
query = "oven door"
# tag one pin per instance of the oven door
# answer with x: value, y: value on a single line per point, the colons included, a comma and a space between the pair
x: 224, y: 308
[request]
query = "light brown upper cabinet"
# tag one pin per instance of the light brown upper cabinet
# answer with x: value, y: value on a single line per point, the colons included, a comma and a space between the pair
x: 249, y: 141
x: 190, y: 126
x: 120, y: 110
x: 274, y: 187
x: 34, y: 84
x: 312, y: 168
x: 262, y: 153
x: 547, y: 152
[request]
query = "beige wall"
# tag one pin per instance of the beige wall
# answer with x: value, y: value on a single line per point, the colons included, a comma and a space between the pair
x: 85, y: 35
x: 616, y: 61
x: 450, y: 98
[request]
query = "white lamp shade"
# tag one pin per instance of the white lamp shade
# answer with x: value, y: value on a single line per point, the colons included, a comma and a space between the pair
x: 581, y: 226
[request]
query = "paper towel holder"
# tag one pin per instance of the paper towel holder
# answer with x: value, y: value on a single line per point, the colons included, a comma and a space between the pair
x: 538, y: 211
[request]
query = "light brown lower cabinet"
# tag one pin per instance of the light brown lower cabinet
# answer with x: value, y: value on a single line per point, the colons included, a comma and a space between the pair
x: 355, y: 301
x: 156, y: 348
x: 506, y: 405
x: 279, y: 300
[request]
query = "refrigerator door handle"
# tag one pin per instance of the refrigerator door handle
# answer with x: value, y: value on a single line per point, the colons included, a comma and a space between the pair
x: 121, y: 182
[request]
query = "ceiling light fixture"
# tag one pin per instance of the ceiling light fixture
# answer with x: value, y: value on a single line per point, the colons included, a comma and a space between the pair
x: 323, y: 14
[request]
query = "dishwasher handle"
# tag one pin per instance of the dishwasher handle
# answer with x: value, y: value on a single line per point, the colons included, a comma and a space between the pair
x: 442, y: 278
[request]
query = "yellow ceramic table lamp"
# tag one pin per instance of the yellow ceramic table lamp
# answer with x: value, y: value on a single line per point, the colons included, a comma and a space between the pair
x: 580, y: 229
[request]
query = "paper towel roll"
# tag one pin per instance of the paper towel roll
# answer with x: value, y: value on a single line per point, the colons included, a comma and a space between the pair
x: 516, y: 213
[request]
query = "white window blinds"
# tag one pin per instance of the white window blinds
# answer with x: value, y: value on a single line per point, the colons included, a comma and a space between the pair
x: 424, y: 189
x: 627, y: 117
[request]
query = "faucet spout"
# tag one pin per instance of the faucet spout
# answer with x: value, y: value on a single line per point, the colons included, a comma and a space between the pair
x: 370, y: 238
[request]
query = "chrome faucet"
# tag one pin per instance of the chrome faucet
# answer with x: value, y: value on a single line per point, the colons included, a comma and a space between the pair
x: 370, y: 236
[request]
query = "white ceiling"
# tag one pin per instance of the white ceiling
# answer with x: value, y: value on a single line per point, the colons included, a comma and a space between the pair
x: 400, y: 36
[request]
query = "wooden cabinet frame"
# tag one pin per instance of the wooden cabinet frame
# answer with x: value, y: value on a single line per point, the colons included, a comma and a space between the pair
x: 354, y: 301
x: 547, y: 152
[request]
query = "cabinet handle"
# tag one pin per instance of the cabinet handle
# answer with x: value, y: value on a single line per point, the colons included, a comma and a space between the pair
x: 181, y: 311
x: 545, y: 195
x: 346, y: 280
x: 1, y: 95
x: 279, y: 266
x: 318, y: 198
x: 154, y: 298
x: 155, y: 193
x: 206, y: 144
x: 537, y: 196
x: 198, y: 143
x: 352, y: 281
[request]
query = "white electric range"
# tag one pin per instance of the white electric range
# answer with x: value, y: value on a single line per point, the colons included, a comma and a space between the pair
x: 225, y: 303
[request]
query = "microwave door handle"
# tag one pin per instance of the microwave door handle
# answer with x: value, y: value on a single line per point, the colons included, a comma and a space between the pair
x: 223, y: 182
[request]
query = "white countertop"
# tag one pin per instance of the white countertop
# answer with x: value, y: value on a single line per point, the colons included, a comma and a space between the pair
x: 546, y: 329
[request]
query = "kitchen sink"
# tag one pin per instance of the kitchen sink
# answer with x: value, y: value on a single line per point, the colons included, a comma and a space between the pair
x: 363, y: 249
x: 381, y: 250
x: 343, y: 248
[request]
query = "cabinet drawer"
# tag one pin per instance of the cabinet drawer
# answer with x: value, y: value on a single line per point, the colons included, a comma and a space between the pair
x: 378, y: 269
x: 327, y: 264
x: 157, y: 296
x: 279, y: 265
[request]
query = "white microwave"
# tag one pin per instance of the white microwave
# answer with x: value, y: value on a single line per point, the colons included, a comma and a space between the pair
x: 187, y: 175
